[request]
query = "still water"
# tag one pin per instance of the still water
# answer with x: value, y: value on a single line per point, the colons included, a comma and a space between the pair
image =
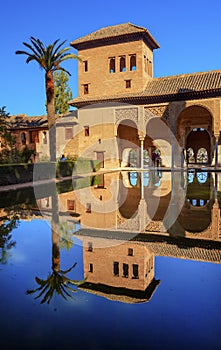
x: 119, y: 261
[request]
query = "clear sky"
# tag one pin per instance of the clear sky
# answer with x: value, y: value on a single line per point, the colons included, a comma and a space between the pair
x: 188, y: 32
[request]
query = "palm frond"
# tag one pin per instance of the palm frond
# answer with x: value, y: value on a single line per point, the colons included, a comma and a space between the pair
x: 66, y: 271
x: 58, y: 47
x: 38, y: 47
x: 32, y: 58
x: 18, y: 52
x: 32, y: 49
x: 68, y: 56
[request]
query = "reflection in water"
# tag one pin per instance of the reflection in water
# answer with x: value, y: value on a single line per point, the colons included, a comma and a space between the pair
x: 152, y: 204
x: 149, y: 242
x: 8, y: 222
x: 57, y: 281
x: 118, y: 270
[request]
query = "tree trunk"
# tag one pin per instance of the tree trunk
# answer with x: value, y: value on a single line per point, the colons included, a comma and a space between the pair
x: 55, y: 231
x: 49, y: 81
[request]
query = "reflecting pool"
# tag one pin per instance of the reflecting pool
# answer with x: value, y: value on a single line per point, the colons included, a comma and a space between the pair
x: 122, y: 260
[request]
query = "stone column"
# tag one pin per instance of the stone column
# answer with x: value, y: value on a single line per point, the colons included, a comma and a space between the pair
x: 216, y: 151
x: 172, y: 152
x: 141, y: 152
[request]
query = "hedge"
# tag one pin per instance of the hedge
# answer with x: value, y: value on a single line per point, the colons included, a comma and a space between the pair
x: 23, y: 173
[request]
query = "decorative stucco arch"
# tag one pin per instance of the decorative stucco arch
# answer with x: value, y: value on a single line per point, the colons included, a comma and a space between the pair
x: 195, y: 129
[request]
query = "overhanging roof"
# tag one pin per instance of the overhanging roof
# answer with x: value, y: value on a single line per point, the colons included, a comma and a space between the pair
x: 114, y: 33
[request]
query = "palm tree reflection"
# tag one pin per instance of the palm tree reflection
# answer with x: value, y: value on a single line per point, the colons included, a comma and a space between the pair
x: 57, y: 282
x: 7, y: 224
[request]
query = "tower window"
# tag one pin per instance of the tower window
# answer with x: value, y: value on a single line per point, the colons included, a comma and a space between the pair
x: 91, y: 268
x: 130, y: 252
x: 122, y: 64
x: 112, y: 65
x: 135, y: 271
x: 145, y: 63
x: 85, y: 66
x: 149, y: 66
x: 128, y: 84
x: 90, y: 247
x: 133, y: 65
x: 86, y: 89
x: 116, y: 268
x: 125, y: 270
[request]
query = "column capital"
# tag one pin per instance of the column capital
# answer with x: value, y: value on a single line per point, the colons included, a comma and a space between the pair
x: 141, y: 136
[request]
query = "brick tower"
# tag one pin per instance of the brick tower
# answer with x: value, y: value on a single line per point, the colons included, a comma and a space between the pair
x: 115, y: 60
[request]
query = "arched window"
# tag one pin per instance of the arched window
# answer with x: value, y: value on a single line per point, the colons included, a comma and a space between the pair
x: 194, y: 202
x: 190, y: 177
x: 23, y: 138
x: 133, y: 65
x: 122, y: 64
x: 112, y: 65
x: 202, y: 176
x: 202, y: 202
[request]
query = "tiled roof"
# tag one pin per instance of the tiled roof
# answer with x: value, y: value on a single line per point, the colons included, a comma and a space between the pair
x: 23, y: 121
x: 114, y: 32
x: 185, y: 86
x: 124, y: 295
x: 184, y: 83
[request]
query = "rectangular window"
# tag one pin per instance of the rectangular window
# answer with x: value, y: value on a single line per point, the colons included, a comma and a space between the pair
x: 125, y: 270
x: 128, y: 84
x: 90, y: 247
x: 86, y: 130
x: 68, y: 133
x: 85, y: 66
x: 130, y: 252
x: 70, y: 204
x: 91, y: 267
x: 88, y: 207
x: 135, y: 271
x: 116, y: 268
x: 86, y: 89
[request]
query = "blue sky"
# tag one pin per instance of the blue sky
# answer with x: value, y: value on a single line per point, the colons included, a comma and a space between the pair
x: 188, y: 33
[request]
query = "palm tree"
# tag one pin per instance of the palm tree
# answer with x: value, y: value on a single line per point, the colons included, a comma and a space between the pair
x: 49, y: 58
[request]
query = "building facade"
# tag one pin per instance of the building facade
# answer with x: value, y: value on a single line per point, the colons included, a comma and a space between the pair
x: 125, y: 114
x: 32, y: 133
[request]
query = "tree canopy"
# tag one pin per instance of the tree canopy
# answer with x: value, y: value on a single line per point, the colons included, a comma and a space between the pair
x: 62, y: 92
